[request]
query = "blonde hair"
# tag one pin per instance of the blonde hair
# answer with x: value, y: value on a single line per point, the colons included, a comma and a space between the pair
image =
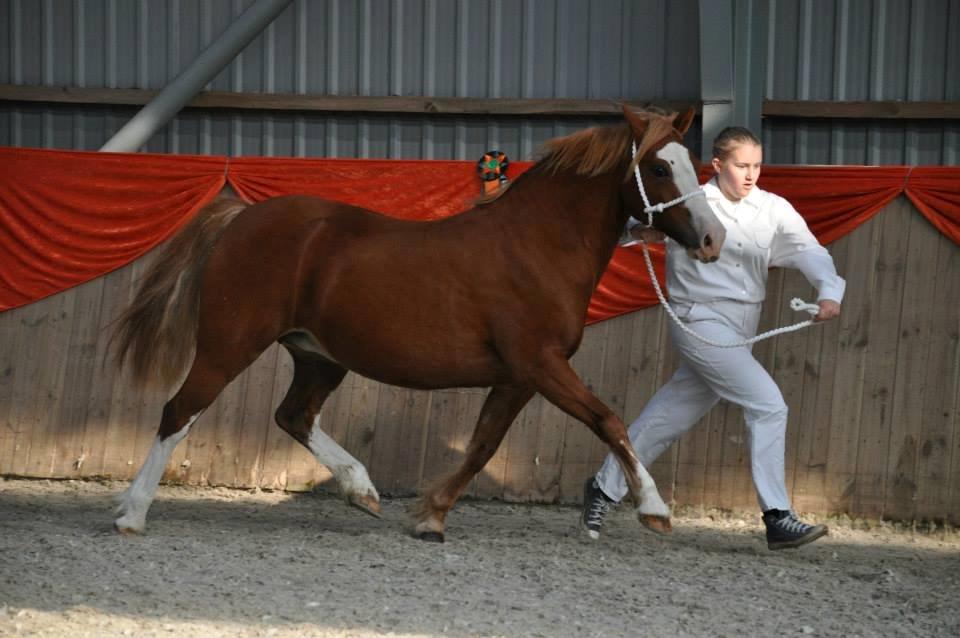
x: 731, y: 137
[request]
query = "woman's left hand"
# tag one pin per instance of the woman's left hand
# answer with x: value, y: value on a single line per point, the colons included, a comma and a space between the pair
x: 829, y: 309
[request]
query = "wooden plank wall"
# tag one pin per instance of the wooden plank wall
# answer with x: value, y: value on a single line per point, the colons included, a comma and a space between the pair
x: 873, y: 399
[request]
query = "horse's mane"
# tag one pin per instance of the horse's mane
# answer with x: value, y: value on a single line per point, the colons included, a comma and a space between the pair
x: 598, y: 149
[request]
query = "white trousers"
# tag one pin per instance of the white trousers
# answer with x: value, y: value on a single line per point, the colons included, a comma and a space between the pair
x: 707, y: 374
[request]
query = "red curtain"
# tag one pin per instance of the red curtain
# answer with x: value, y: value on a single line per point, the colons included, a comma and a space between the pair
x: 935, y: 191
x: 67, y: 217
x: 420, y: 190
x: 835, y: 199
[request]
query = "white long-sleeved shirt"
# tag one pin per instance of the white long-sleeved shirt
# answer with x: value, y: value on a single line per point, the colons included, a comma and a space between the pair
x: 763, y: 230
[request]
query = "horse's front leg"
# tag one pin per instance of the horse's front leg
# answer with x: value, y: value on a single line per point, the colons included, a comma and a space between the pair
x: 557, y: 381
x: 499, y: 410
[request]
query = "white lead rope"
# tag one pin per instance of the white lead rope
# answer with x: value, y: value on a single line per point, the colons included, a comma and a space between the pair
x: 796, y: 304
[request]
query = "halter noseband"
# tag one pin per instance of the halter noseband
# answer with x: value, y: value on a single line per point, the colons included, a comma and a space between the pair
x: 658, y: 208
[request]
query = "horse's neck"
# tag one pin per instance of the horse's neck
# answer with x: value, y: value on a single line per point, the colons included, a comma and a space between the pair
x: 579, y: 210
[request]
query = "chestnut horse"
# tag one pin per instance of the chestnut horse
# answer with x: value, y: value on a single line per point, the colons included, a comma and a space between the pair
x: 495, y: 296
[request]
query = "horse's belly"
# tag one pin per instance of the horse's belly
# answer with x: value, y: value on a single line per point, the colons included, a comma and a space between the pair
x: 426, y: 367
x: 427, y: 378
x: 403, y: 363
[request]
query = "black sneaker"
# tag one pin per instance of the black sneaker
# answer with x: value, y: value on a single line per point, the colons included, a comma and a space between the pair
x: 785, y: 530
x: 596, y: 504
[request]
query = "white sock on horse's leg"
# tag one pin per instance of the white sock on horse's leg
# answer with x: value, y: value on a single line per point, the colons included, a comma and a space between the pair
x: 350, y: 473
x: 651, y: 503
x: 136, y: 500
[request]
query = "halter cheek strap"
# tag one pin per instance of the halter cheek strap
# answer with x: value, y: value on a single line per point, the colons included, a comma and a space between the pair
x: 658, y: 208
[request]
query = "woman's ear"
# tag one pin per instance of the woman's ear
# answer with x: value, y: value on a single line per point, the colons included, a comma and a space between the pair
x: 717, y: 164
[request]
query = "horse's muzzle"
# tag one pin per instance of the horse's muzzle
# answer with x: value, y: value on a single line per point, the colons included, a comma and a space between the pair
x: 710, y: 245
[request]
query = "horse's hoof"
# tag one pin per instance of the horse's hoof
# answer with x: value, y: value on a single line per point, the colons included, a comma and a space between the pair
x: 125, y: 530
x: 367, y: 504
x: 658, y: 524
x: 431, y: 537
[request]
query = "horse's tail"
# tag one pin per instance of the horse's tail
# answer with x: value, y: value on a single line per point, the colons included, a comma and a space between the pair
x: 158, y: 331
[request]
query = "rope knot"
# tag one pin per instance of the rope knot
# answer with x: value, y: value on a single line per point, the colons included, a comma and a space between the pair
x: 797, y: 304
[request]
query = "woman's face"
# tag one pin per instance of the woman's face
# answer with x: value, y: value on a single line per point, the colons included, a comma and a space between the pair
x: 738, y: 173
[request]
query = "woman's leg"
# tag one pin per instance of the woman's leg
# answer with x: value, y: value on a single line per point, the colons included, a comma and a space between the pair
x: 736, y: 376
x: 673, y: 410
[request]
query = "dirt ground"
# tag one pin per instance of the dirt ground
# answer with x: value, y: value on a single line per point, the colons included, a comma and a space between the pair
x: 219, y: 562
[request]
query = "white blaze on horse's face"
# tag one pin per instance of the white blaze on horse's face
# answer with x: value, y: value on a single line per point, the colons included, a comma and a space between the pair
x: 704, y: 221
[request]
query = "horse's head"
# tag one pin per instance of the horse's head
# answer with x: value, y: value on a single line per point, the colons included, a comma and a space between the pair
x: 662, y: 188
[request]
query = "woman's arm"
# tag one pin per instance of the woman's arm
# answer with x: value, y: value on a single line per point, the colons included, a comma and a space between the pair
x: 794, y: 246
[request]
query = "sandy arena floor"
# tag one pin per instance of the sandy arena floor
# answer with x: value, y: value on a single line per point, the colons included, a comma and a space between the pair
x: 219, y: 562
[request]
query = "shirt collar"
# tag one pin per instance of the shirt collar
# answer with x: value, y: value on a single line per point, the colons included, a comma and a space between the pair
x: 712, y: 191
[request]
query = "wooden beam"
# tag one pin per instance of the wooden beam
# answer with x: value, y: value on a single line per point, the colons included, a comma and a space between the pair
x: 889, y: 109
x: 414, y: 105
x: 335, y: 103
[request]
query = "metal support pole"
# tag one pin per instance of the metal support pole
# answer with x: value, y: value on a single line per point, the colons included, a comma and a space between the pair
x: 731, y: 67
x: 716, y: 70
x: 208, y: 64
x: 749, y: 62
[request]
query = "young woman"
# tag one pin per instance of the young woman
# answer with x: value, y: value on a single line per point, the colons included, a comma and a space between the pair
x: 722, y: 301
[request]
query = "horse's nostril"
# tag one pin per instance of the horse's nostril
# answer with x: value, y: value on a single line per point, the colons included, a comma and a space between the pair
x: 707, y: 241
x: 713, y: 259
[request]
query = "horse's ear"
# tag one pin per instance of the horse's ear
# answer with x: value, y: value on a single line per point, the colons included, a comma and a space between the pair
x: 684, y: 120
x: 637, y: 123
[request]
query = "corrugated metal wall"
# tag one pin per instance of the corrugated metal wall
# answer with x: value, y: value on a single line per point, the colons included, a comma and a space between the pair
x: 816, y: 49
x: 854, y: 50
x: 462, y: 48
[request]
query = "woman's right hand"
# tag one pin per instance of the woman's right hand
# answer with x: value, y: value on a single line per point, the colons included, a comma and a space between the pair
x: 829, y: 309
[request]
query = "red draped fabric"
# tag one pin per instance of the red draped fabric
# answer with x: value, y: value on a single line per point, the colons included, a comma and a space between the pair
x: 935, y: 191
x: 834, y: 200
x: 67, y: 217
x: 420, y: 190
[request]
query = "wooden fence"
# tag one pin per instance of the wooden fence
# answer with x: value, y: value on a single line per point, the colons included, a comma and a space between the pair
x: 873, y: 400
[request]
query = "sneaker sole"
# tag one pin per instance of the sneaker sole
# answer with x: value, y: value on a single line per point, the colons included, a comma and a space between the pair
x: 803, y: 540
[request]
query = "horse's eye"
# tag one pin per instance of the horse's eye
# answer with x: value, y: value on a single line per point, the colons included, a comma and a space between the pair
x: 659, y: 171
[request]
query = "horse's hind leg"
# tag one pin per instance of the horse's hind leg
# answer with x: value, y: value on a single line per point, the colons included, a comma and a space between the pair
x: 314, y: 378
x: 202, y: 385
x: 499, y: 410
x: 560, y: 385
